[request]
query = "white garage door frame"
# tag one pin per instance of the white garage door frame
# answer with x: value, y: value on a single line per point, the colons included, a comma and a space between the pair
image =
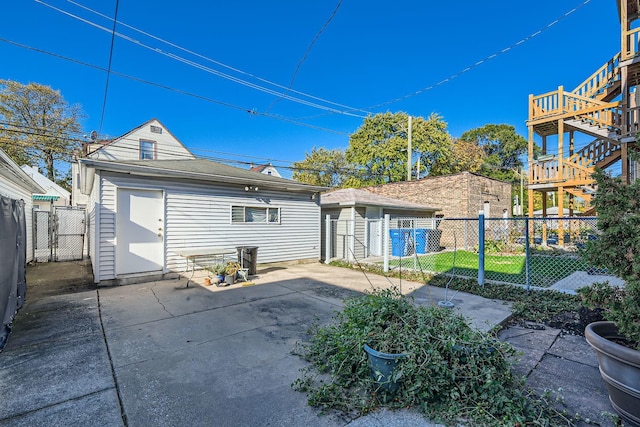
x: 140, y: 232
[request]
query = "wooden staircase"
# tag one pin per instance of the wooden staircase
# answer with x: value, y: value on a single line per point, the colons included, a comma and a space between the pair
x: 590, y: 109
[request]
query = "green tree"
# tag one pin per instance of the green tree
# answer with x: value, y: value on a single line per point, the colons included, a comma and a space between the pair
x: 37, y: 124
x: 503, y: 149
x: 328, y: 168
x: 379, y: 147
x: 464, y: 156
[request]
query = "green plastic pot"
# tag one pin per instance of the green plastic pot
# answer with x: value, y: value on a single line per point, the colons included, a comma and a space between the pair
x: 383, y: 367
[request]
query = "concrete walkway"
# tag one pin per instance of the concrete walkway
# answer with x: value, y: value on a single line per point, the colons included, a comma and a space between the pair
x: 163, y: 354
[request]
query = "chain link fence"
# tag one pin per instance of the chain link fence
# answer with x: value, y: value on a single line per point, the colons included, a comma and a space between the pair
x: 59, y: 234
x: 530, y: 252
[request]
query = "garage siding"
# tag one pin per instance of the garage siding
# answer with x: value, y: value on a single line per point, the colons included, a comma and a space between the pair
x: 200, y: 216
x: 107, y: 226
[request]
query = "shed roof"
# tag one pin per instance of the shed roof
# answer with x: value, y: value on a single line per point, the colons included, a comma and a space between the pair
x: 357, y: 197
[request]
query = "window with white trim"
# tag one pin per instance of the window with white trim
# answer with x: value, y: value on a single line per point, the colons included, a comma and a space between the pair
x: 251, y: 214
x: 147, y: 150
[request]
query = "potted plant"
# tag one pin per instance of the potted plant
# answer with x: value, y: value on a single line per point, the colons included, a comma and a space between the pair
x: 218, y: 270
x: 617, y: 340
x: 231, y: 270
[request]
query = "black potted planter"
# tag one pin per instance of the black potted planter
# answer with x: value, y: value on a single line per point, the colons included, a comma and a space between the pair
x: 383, y: 366
x: 619, y: 367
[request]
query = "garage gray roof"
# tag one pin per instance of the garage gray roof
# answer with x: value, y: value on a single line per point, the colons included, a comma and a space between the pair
x: 357, y: 197
x: 198, y: 169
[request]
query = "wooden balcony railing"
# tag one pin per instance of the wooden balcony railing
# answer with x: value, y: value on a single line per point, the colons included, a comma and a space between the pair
x: 561, y: 104
x: 553, y: 171
x: 575, y: 169
x: 599, y: 81
x: 606, y: 116
x: 631, y: 42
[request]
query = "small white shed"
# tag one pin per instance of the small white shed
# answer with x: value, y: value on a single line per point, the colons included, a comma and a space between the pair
x: 144, y: 213
x: 356, y: 218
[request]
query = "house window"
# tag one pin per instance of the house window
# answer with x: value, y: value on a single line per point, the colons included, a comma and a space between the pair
x: 156, y: 129
x: 245, y: 214
x: 147, y: 150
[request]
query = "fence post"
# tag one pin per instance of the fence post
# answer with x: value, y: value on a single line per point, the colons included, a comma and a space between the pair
x: 527, y: 254
x: 385, y: 249
x: 327, y: 238
x: 481, y: 248
x: 51, y: 232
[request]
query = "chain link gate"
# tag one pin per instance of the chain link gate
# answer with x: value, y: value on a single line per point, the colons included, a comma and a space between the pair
x: 59, y: 234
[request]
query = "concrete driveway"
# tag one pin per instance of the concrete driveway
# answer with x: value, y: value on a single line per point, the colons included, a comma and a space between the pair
x: 163, y: 354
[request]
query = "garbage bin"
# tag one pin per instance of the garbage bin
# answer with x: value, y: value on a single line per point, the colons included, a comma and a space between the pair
x: 401, y: 242
x: 421, y: 240
x: 248, y: 258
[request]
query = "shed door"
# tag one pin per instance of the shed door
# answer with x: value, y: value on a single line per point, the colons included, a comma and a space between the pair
x: 374, y: 232
x: 139, y: 231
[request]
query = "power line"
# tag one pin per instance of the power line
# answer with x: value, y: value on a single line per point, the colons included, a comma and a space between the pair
x: 106, y: 87
x: 306, y: 53
x: 480, y: 62
x: 47, y: 133
x: 180, y: 91
x: 468, y: 68
x: 176, y: 46
x: 134, y: 147
x: 349, y: 112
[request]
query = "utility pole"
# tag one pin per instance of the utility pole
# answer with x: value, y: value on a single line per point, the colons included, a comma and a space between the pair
x: 409, y: 152
x: 521, y: 191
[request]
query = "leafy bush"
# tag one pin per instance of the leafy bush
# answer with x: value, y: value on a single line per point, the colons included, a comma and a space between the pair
x: 451, y: 372
x: 618, y: 250
x: 537, y: 306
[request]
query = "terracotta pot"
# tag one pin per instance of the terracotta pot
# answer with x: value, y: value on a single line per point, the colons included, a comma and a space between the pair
x: 207, y: 281
x: 620, y: 369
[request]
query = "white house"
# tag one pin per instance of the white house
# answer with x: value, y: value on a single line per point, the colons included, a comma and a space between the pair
x: 144, y: 213
x: 54, y: 194
x: 15, y: 184
x: 149, y: 141
x: 356, y: 218
x: 267, y: 169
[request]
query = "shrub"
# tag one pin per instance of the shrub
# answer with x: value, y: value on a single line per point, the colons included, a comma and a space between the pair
x: 618, y: 250
x: 451, y: 372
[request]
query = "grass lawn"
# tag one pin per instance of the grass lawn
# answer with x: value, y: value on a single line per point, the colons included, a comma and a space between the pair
x: 544, y: 270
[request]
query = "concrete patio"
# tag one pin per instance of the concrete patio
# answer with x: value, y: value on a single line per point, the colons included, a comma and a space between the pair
x: 164, y: 354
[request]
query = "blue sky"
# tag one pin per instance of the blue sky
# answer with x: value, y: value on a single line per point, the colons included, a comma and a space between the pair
x: 369, y: 54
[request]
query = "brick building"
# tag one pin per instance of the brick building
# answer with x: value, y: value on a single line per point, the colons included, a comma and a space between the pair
x: 459, y: 195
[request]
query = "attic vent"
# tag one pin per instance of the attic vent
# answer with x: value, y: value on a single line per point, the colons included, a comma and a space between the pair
x: 156, y: 129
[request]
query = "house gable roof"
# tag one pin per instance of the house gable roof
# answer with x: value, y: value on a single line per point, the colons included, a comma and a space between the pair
x: 107, y: 143
x: 199, y: 169
x: 359, y: 197
x: 258, y: 168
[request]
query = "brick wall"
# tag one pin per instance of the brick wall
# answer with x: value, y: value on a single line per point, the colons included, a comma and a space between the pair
x: 458, y: 196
